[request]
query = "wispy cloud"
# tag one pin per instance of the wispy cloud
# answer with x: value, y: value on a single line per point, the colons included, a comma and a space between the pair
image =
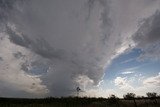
x: 127, y: 61
x: 127, y: 72
x: 133, y: 68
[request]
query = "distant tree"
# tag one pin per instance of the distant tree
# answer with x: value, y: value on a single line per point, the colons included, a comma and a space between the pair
x: 129, y: 96
x: 151, y: 95
x: 112, y: 99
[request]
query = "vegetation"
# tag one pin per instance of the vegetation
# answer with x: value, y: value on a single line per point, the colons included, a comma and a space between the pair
x: 113, y: 100
x: 151, y: 94
x: 130, y: 100
x: 129, y: 96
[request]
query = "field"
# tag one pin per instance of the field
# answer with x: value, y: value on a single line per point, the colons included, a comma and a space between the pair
x: 79, y: 102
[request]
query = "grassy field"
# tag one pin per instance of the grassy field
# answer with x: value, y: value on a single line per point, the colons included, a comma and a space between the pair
x: 79, y: 102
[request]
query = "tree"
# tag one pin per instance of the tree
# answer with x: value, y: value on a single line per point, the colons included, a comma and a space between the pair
x: 151, y: 95
x: 129, y: 96
x: 112, y: 99
x: 112, y: 96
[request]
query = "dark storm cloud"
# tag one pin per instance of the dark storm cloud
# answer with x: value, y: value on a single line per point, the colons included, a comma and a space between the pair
x: 39, y: 46
x: 18, y: 39
x: 148, y: 37
x: 8, y: 7
x: 149, y: 31
x: 5, y: 6
x: 42, y: 48
x: 68, y: 45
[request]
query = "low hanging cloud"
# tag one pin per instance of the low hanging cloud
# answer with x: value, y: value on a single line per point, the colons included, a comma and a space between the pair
x: 58, y: 44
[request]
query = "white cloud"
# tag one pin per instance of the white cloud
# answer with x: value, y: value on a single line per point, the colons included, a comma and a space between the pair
x: 84, y: 81
x: 119, y: 81
x: 152, y: 81
x: 125, y: 85
x: 12, y: 76
x: 127, y: 72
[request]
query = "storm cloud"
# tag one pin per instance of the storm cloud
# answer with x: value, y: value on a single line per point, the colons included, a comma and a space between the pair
x: 58, y: 45
x: 147, y: 37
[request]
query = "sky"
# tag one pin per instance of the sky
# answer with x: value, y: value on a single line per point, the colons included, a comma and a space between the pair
x: 50, y: 47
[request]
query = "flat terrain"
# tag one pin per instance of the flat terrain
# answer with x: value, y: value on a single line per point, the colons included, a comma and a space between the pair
x: 79, y: 102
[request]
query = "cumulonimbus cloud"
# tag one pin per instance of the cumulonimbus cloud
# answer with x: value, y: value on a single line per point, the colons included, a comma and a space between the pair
x: 62, y: 41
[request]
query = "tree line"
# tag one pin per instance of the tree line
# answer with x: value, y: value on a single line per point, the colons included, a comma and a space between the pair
x: 152, y: 96
x: 128, y: 100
